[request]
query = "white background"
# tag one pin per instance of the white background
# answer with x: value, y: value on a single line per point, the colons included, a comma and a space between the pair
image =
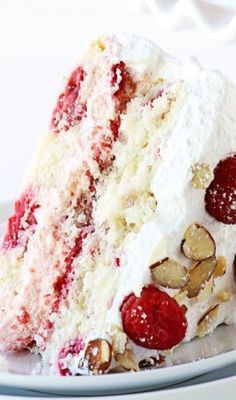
x: 39, y: 42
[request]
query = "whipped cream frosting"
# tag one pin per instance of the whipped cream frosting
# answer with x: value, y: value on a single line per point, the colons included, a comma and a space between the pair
x: 202, y: 132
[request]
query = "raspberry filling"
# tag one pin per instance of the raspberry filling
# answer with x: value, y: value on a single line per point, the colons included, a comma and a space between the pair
x: 69, y: 109
x: 21, y: 225
x: 64, y: 281
x: 73, y: 349
x: 124, y: 86
x: 102, y: 154
x: 24, y: 316
x: 123, y: 91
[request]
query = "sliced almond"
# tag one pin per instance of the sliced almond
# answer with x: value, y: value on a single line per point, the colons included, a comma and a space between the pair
x: 205, y: 324
x: 98, y: 355
x: 197, y: 243
x: 220, y: 267
x: 127, y: 360
x: 169, y: 273
x: 119, y: 339
x: 179, y: 297
x: 158, y: 251
x: 207, y: 290
x: 151, y: 362
x: 199, y: 275
x: 202, y: 176
x: 224, y: 295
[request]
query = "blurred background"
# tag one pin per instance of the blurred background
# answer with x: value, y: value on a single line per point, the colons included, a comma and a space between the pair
x: 41, y: 39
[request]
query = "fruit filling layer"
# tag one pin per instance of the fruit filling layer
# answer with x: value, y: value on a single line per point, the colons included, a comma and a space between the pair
x: 69, y: 228
x: 22, y: 223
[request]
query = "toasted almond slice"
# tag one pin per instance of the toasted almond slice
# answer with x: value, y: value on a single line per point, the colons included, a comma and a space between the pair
x: 169, y: 273
x: 179, y: 297
x: 206, y: 323
x: 206, y: 292
x: 199, y: 275
x: 224, y: 295
x: 158, y: 251
x: 119, y: 339
x: 202, y: 176
x: 151, y: 362
x: 127, y: 360
x: 98, y: 354
x: 220, y: 267
x: 197, y: 243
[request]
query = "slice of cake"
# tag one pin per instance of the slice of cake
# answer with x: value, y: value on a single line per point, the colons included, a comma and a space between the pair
x: 121, y: 244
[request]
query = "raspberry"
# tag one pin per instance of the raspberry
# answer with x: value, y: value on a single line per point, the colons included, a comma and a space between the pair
x: 220, y: 197
x: 91, y: 181
x: 69, y: 109
x: 102, y: 153
x: 23, y: 316
x: 154, y: 320
x: 117, y: 262
x: 123, y: 90
x: 124, y: 86
x: 73, y: 348
x: 115, y: 126
x: 22, y: 221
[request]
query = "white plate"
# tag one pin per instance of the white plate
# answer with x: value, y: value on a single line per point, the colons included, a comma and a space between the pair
x: 189, y: 360
x: 216, y: 19
x: 220, y: 384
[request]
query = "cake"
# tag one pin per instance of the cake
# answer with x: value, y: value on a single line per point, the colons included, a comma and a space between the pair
x: 121, y: 244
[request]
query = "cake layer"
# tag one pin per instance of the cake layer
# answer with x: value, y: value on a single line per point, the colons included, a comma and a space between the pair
x: 121, y: 244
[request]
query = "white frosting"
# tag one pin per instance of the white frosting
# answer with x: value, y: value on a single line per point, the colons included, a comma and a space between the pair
x: 203, y: 132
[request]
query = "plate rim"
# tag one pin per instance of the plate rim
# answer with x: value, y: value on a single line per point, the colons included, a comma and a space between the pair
x: 133, y: 380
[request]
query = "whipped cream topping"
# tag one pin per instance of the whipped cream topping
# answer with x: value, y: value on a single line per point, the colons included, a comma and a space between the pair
x: 202, y: 131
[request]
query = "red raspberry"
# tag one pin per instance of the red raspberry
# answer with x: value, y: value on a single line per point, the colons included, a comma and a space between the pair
x: 117, y: 262
x: 154, y: 320
x: 69, y: 109
x: 115, y: 126
x: 220, y: 197
x: 74, y: 347
x: 122, y: 79
x: 23, y: 316
x: 22, y: 221
x: 102, y: 153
